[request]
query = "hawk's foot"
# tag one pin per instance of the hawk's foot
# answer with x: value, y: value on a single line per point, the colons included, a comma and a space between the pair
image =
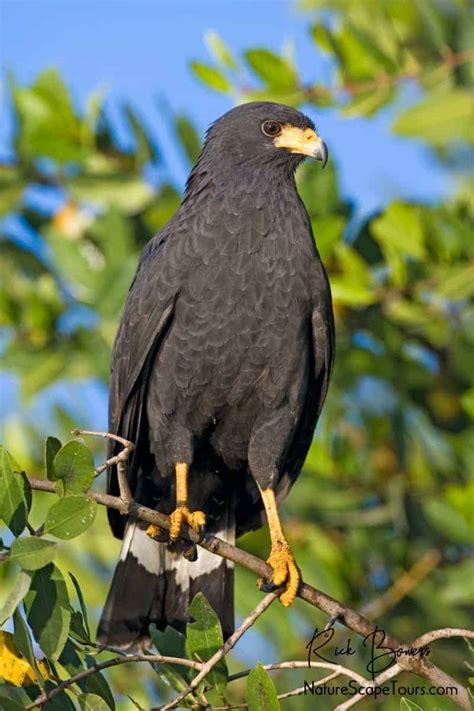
x: 285, y: 571
x: 195, y: 519
x: 154, y: 531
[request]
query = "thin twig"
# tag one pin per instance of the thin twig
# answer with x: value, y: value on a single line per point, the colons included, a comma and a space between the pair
x: 119, y: 460
x: 335, y: 668
x: 226, y: 647
x: 107, y: 435
x: 115, y: 662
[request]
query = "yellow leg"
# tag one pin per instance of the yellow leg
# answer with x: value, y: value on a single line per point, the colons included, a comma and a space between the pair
x: 182, y: 514
x: 281, y: 558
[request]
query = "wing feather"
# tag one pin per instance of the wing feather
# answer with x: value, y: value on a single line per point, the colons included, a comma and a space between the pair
x: 147, y: 315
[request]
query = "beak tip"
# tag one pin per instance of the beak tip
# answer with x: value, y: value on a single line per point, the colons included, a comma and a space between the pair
x: 323, y: 154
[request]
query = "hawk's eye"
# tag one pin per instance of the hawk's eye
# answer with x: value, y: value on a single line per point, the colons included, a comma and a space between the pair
x: 271, y: 128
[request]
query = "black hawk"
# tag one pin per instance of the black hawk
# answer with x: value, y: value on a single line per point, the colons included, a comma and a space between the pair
x: 219, y: 372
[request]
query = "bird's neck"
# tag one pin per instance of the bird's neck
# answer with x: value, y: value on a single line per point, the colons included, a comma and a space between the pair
x: 249, y: 182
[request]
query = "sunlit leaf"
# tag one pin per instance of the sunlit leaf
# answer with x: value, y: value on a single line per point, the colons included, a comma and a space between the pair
x: 440, y: 119
x: 275, y: 71
x: 211, y: 76
x: 204, y: 638
x: 92, y: 702
x: 32, y: 553
x: 20, y: 587
x: 74, y: 468
x: 261, y: 693
x: 220, y: 50
x: 189, y: 138
x: 70, y: 516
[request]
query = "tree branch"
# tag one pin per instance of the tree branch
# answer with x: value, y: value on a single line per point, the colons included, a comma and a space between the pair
x: 123, y: 659
x: 331, y: 607
x: 384, y: 80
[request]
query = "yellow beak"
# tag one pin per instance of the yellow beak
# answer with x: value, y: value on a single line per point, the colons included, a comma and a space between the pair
x: 302, y: 140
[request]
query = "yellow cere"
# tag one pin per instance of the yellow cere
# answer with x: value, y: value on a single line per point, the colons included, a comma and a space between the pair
x: 297, y: 140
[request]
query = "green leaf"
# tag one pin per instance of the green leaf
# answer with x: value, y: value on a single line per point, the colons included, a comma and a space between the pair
x: 275, y: 71
x: 219, y: 49
x: 12, y: 699
x: 74, y: 467
x: 11, y: 189
x: 322, y: 37
x: 71, y: 660
x: 61, y: 702
x: 15, y: 493
x: 118, y: 250
x: 97, y: 684
x: 440, y: 119
x: 457, y: 585
x: 78, y: 627
x: 188, y: 137
x: 32, y: 553
x: 127, y: 194
x: 20, y: 587
x: 92, y: 702
x: 146, y: 149
x: 467, y: 402
x: 400, y: 234
x: 24, y: 644
x: 52, y: 446
x: 368, y: 103
x: 261, y: 694
x: 204, y: 638
x: 47, y: 124
x: 373, y: 47
x: 406, y: 705
x: 171, y: 643
x: 433, y: 24
x: 400, y: 227
x: 82, y: 603
x: 48, y: 613
x: 211, y: 76
x: 457, y: 283
x: 70, y: 516
x: 448, y: 521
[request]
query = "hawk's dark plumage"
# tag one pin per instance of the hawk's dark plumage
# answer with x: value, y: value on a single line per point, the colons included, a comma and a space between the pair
x: 222, y: 360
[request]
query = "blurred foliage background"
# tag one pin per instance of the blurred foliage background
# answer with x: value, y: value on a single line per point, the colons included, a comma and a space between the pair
x: 382, y: 516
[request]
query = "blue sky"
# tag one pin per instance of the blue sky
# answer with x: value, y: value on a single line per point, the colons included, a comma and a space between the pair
x: 140, y: 51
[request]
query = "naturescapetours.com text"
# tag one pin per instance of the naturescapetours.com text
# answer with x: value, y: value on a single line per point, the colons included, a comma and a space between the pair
x: 390, y: 688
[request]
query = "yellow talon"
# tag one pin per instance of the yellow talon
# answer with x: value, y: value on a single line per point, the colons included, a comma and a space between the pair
x: 153, y: 531
x: 284, y: 570
x: 195, y: 519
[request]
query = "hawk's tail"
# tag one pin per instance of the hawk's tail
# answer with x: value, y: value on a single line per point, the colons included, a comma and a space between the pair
x: 153, y: 585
